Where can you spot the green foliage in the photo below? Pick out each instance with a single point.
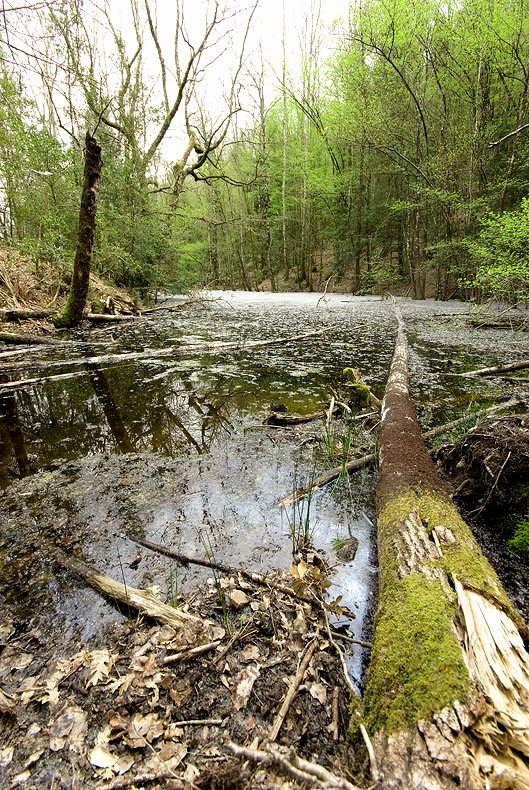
(520, 539)
(501, 253)
(374, 166)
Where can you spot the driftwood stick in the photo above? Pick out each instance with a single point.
(14, 386)
(298, 768)
(524, 363)
(352, 640)
(18, 313)
(229, 570)
(335, 711)
(292, 691)
(194, 651)
(143, 600)
(364, 460)
(327, 477)
(454, 423)
(295, 419)
(26, 339)
(108, 318)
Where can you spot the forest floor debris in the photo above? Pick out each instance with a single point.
(120, 713)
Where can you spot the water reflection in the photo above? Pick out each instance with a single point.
(12, 443)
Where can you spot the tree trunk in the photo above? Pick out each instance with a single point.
(447, 697)
(73, 309)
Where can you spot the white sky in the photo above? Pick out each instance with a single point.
(265, 37)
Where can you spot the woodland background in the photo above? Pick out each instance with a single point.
(391, 151)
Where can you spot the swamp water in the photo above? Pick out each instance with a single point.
(175, 450)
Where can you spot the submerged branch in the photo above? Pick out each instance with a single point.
(170, 351)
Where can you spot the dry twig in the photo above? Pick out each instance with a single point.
(300, 769)
(291, 693)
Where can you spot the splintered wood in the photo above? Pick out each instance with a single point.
(499, 664)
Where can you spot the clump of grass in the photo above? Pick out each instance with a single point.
(223, 600)
(338, 543)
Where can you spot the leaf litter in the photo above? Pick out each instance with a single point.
(123, 714)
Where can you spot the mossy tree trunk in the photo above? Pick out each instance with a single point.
(447, 697)
(75, 304)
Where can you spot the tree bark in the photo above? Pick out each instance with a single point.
(75, 304)
(447, 697)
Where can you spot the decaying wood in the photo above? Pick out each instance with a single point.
(191, 653)
(365, 460)
(447, 696)
(108, 318)
(327, 477)
(352, 640)
(21, 313)
(335, 713)
(292, 691)
(296, 767)
(144, 601)
(26, 339)
(448, 426)
(524, 363)
(229, 570)
(296, 419)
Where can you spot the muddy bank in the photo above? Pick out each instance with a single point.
(487, 469)
(177, 451)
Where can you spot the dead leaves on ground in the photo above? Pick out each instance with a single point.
(118, 713)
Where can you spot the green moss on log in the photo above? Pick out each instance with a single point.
(360, 390)
(417, 667)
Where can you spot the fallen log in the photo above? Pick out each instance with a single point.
(524, 363)
(20, 313)
(168, 351)
(284, 420)
(447, 695)
(327, 477)
(257, 578)
(108, 318)
(26, 338)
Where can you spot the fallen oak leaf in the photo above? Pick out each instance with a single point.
(7, 703)
(100, 666)
(123, 683)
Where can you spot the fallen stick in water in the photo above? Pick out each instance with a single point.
(257, 578)
(169, 351)
(364, 460)
(524, 363)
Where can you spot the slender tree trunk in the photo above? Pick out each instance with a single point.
(73, 310)
(360, 198)
(447, 697)
(213, 238)
(284, 178)
(514, 153)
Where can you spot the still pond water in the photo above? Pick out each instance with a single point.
(175, 450)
